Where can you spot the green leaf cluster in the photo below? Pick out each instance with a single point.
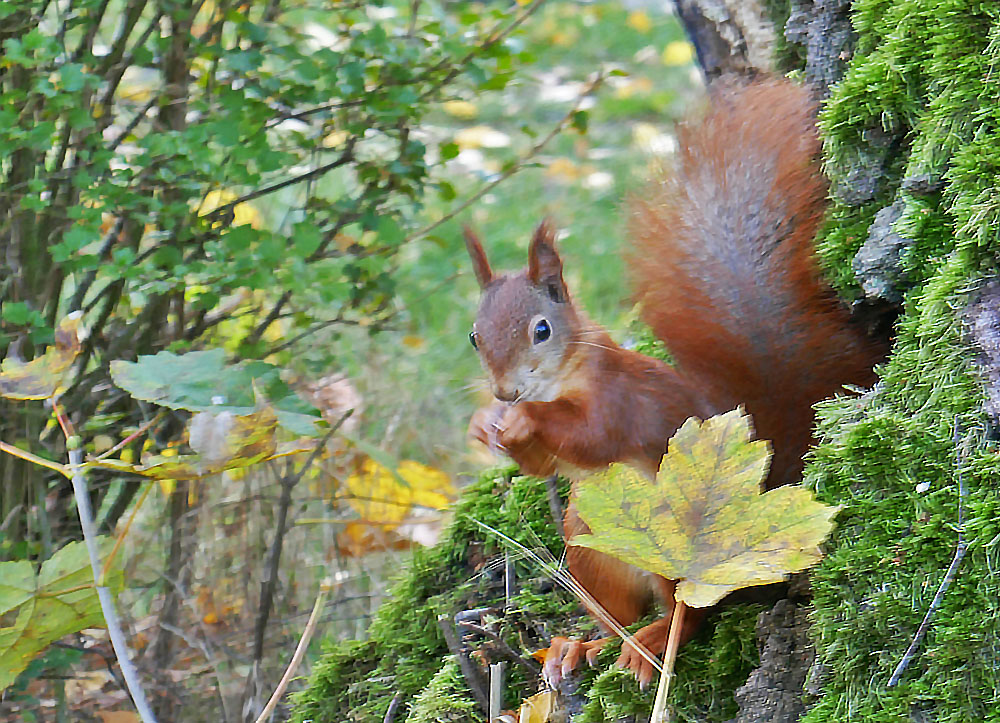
(191, 176)
(42, 607)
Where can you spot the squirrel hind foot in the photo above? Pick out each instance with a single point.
(564, 656)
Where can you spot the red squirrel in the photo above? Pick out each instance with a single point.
(724, 273)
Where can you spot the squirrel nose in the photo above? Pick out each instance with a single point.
(504, 395)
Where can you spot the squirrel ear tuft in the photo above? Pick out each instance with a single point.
(544, 264)
(480, 264)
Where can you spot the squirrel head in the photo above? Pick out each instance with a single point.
(526, 328)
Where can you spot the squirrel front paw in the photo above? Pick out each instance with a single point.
(509, 430)
(485, 426)
(517, 428)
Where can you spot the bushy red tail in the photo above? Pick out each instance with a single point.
(725, 271)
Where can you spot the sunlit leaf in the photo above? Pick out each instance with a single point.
(44, 377)
(244, 214)
(335, 139)
(703, 520)
(460, 109)
(358, 539)
(42, 608)
(224, 441)
(639, 21)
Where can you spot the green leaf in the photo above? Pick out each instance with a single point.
(306, 237)
(703, 521)
(58, 601)
(389, 230)
(201, 381)
(446, 191)
(19, 313)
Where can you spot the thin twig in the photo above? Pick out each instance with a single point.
(563, 577)
(390, 713)
(555, 504)
(141, 430)
(503, 647)
(948, 576)
(300, 651)
(496, 691)
(128, 526)
(34, 459)
(669, 656)
(103, 592)
(472, 679)
(267, 588)
(345, 157)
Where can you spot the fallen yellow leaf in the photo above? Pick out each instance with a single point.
(379, 496)
(460, 109)
(639, 21)
(118, 716)
(539, 708)
(679, 52)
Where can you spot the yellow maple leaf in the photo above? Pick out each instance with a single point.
(703, 520)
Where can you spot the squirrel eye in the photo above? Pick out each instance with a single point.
(542, 331)
(473, 340)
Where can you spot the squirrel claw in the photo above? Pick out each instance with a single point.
(564, 655)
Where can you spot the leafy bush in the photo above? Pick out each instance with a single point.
(178, 170)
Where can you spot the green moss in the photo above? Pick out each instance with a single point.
(357, 680)
(708, 669)
(445, 699)
(925, 71)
